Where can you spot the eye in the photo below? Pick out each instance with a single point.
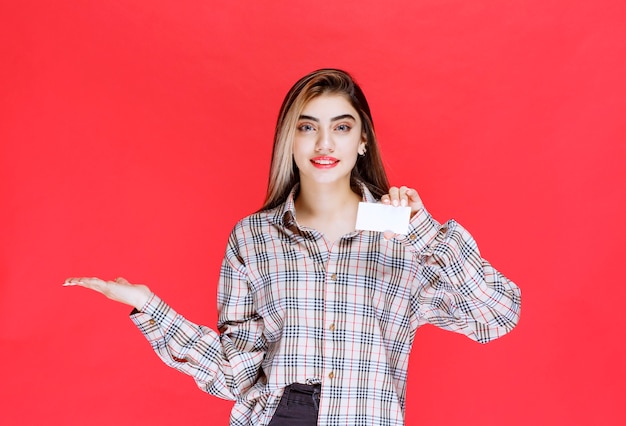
(343, 128)
(306, 127)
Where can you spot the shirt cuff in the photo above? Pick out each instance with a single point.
(423, 229)
(154, 318)
(143, 308)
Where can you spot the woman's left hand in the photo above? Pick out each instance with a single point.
(402, 196)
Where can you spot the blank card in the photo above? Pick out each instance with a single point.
(383, 217)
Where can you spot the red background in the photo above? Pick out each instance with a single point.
(135, 133)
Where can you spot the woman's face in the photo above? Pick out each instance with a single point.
(328, 139)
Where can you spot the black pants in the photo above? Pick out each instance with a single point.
(298, 406)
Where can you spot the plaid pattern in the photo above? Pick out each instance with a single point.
(295, 308)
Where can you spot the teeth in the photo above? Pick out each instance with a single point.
(324, 162)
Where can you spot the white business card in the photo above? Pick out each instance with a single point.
(383, 217)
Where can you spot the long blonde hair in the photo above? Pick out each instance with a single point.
(283, 170)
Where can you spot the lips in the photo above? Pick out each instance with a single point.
(324, 162)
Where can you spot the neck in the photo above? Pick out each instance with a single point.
(325, 201)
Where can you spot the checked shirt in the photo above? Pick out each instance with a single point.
(294, 307)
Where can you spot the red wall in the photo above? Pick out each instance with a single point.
(135, 133)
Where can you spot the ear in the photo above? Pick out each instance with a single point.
(362, 146)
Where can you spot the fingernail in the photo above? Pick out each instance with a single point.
(68, 284)
(395, 203)
(403, 202)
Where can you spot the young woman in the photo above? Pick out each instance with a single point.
(317, 319)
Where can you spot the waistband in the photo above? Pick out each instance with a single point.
(299, 393)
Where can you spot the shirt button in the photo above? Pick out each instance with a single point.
(413, 237)
(152, 322)
(332, 327)
(331, 375)
(333, 277)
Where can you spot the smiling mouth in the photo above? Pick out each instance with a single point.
(324, 162)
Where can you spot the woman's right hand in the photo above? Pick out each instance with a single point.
(120, 290)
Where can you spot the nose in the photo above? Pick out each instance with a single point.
(324, 142)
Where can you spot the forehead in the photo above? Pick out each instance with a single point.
(328, 106)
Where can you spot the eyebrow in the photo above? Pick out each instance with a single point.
(339, 117)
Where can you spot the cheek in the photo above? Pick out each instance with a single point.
(296, 147)
(297, 152)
